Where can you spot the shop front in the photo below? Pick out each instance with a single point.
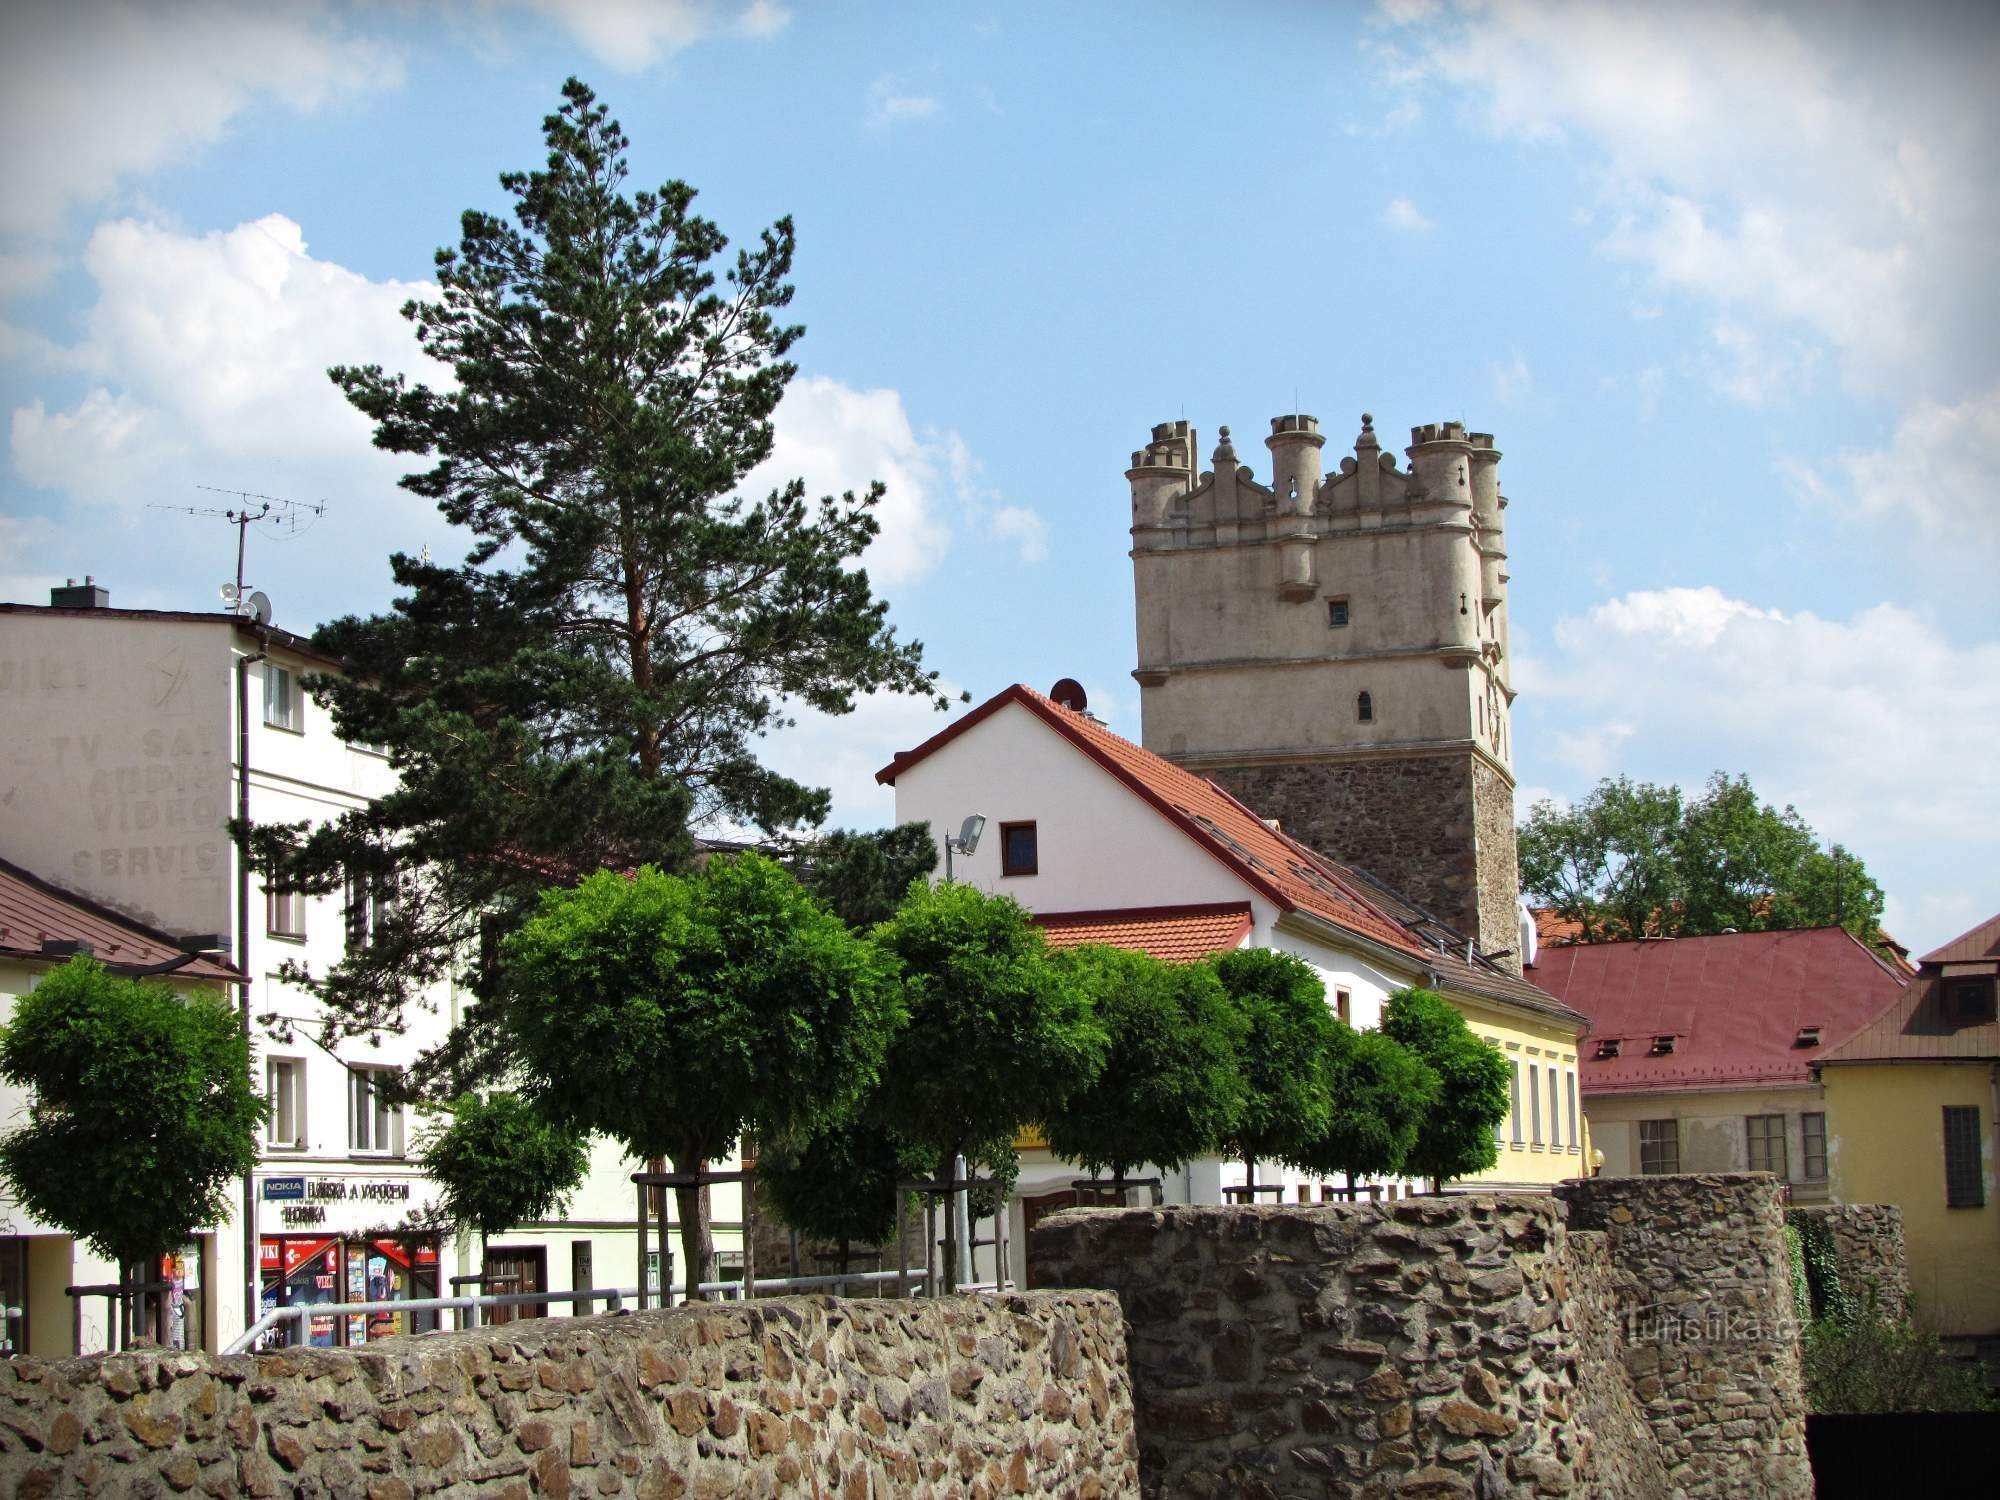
(334, 1240)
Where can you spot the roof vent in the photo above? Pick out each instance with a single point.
(1610, 1046)
(1808, 1037)
(1662, 1045)
(86, 595)
(67, 948)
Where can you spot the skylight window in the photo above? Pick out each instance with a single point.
(1662, 1045)
(1610, 1046)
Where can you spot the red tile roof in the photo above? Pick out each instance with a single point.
(1178, 934)
(1734, 1004)
(32, 910)
(1284, 871)
(1553, 929)
(1982, 941)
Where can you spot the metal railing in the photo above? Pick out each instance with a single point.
(614, 1299)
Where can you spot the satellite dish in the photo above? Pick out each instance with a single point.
(260, 607)
(229, 594)
(1069, 693)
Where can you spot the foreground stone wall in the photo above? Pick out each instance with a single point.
(1702, 1282)
(1415, 1348)
(1635, 1341)
(968, 1397)
(1868, 1251)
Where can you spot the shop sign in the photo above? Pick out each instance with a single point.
(339, 1189)
(283, 1189)
(298, 1215)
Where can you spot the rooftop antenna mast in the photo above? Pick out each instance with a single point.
(283, 518)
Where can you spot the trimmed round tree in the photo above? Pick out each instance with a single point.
(1169, 1089)
(674, 1013)
(500, 1162)
(840, 1184)
(1381, 1092)
(144, 1114)
(1283, 1034)
(1456, 1137)
(998, 1036)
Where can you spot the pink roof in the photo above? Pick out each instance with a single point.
(1285, 872)
(32, 911)
(1178, 934)
(1735, 1005)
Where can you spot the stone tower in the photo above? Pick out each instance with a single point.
(1333, 650)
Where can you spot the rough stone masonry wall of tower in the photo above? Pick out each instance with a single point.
(1469, 1347)
(967, 1397)
(1415, 823)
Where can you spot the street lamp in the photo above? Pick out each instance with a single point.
(965, 843)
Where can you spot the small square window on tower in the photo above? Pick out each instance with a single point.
(1336, 614)
(1019, 854)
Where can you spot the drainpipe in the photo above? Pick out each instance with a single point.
(251, 1289)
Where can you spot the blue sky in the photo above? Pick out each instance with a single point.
(1717, 278)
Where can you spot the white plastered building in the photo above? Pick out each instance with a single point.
(119, 771)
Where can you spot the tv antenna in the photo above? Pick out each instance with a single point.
(277, 517)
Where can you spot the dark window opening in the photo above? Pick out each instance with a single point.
(1967, 1002)
(1018, 852)
(1336, 614)
(1964, 1184)
(1659, 1146)
(1364, 709)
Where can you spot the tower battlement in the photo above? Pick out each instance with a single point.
(1332, 647)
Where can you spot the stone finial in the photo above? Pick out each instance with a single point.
(1367, 438)
(1225, 452)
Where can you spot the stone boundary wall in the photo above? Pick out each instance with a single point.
(1632, 1340)
(1701, 1279)
(851, 1400)
(1868, 1250)
(1421, 1348)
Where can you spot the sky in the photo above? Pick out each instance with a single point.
(1718, 278)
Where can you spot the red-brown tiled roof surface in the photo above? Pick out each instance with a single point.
(1552, 928)
(1734, 1004)
(1914, 1029)
(1284, 871)
(1982, 941)
(1178, 934)
(32, 911)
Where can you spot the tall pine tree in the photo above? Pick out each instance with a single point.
(591, 681)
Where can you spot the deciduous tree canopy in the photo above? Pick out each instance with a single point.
(1637, 860)
(500, 1161)
(144, 1115)
(1283, 1033)
(1168, 1090)
(1455, 1136)
(674, 1013)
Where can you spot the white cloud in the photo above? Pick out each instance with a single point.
(1878, 727)
(94, 91)
(206, 359)
(1027, 531)
(1405, 215)
(843, 752)
(633, 35)
(1512, 382)
(893, 101)
(1938, 471)
(1834, 180)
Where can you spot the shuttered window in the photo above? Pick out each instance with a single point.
(1964, 1184)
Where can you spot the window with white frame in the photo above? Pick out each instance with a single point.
(370, 894)
(374, 1124)
(1765, 1135)
(1555, 1113)
(281, 698)
(1514, 1097)
(284, 913)
(1659, 1146)
(1575, 1136)
(1812, 1131)
(285, 1088)
(1535, 1102)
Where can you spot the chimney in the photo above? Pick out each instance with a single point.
(86, 595)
